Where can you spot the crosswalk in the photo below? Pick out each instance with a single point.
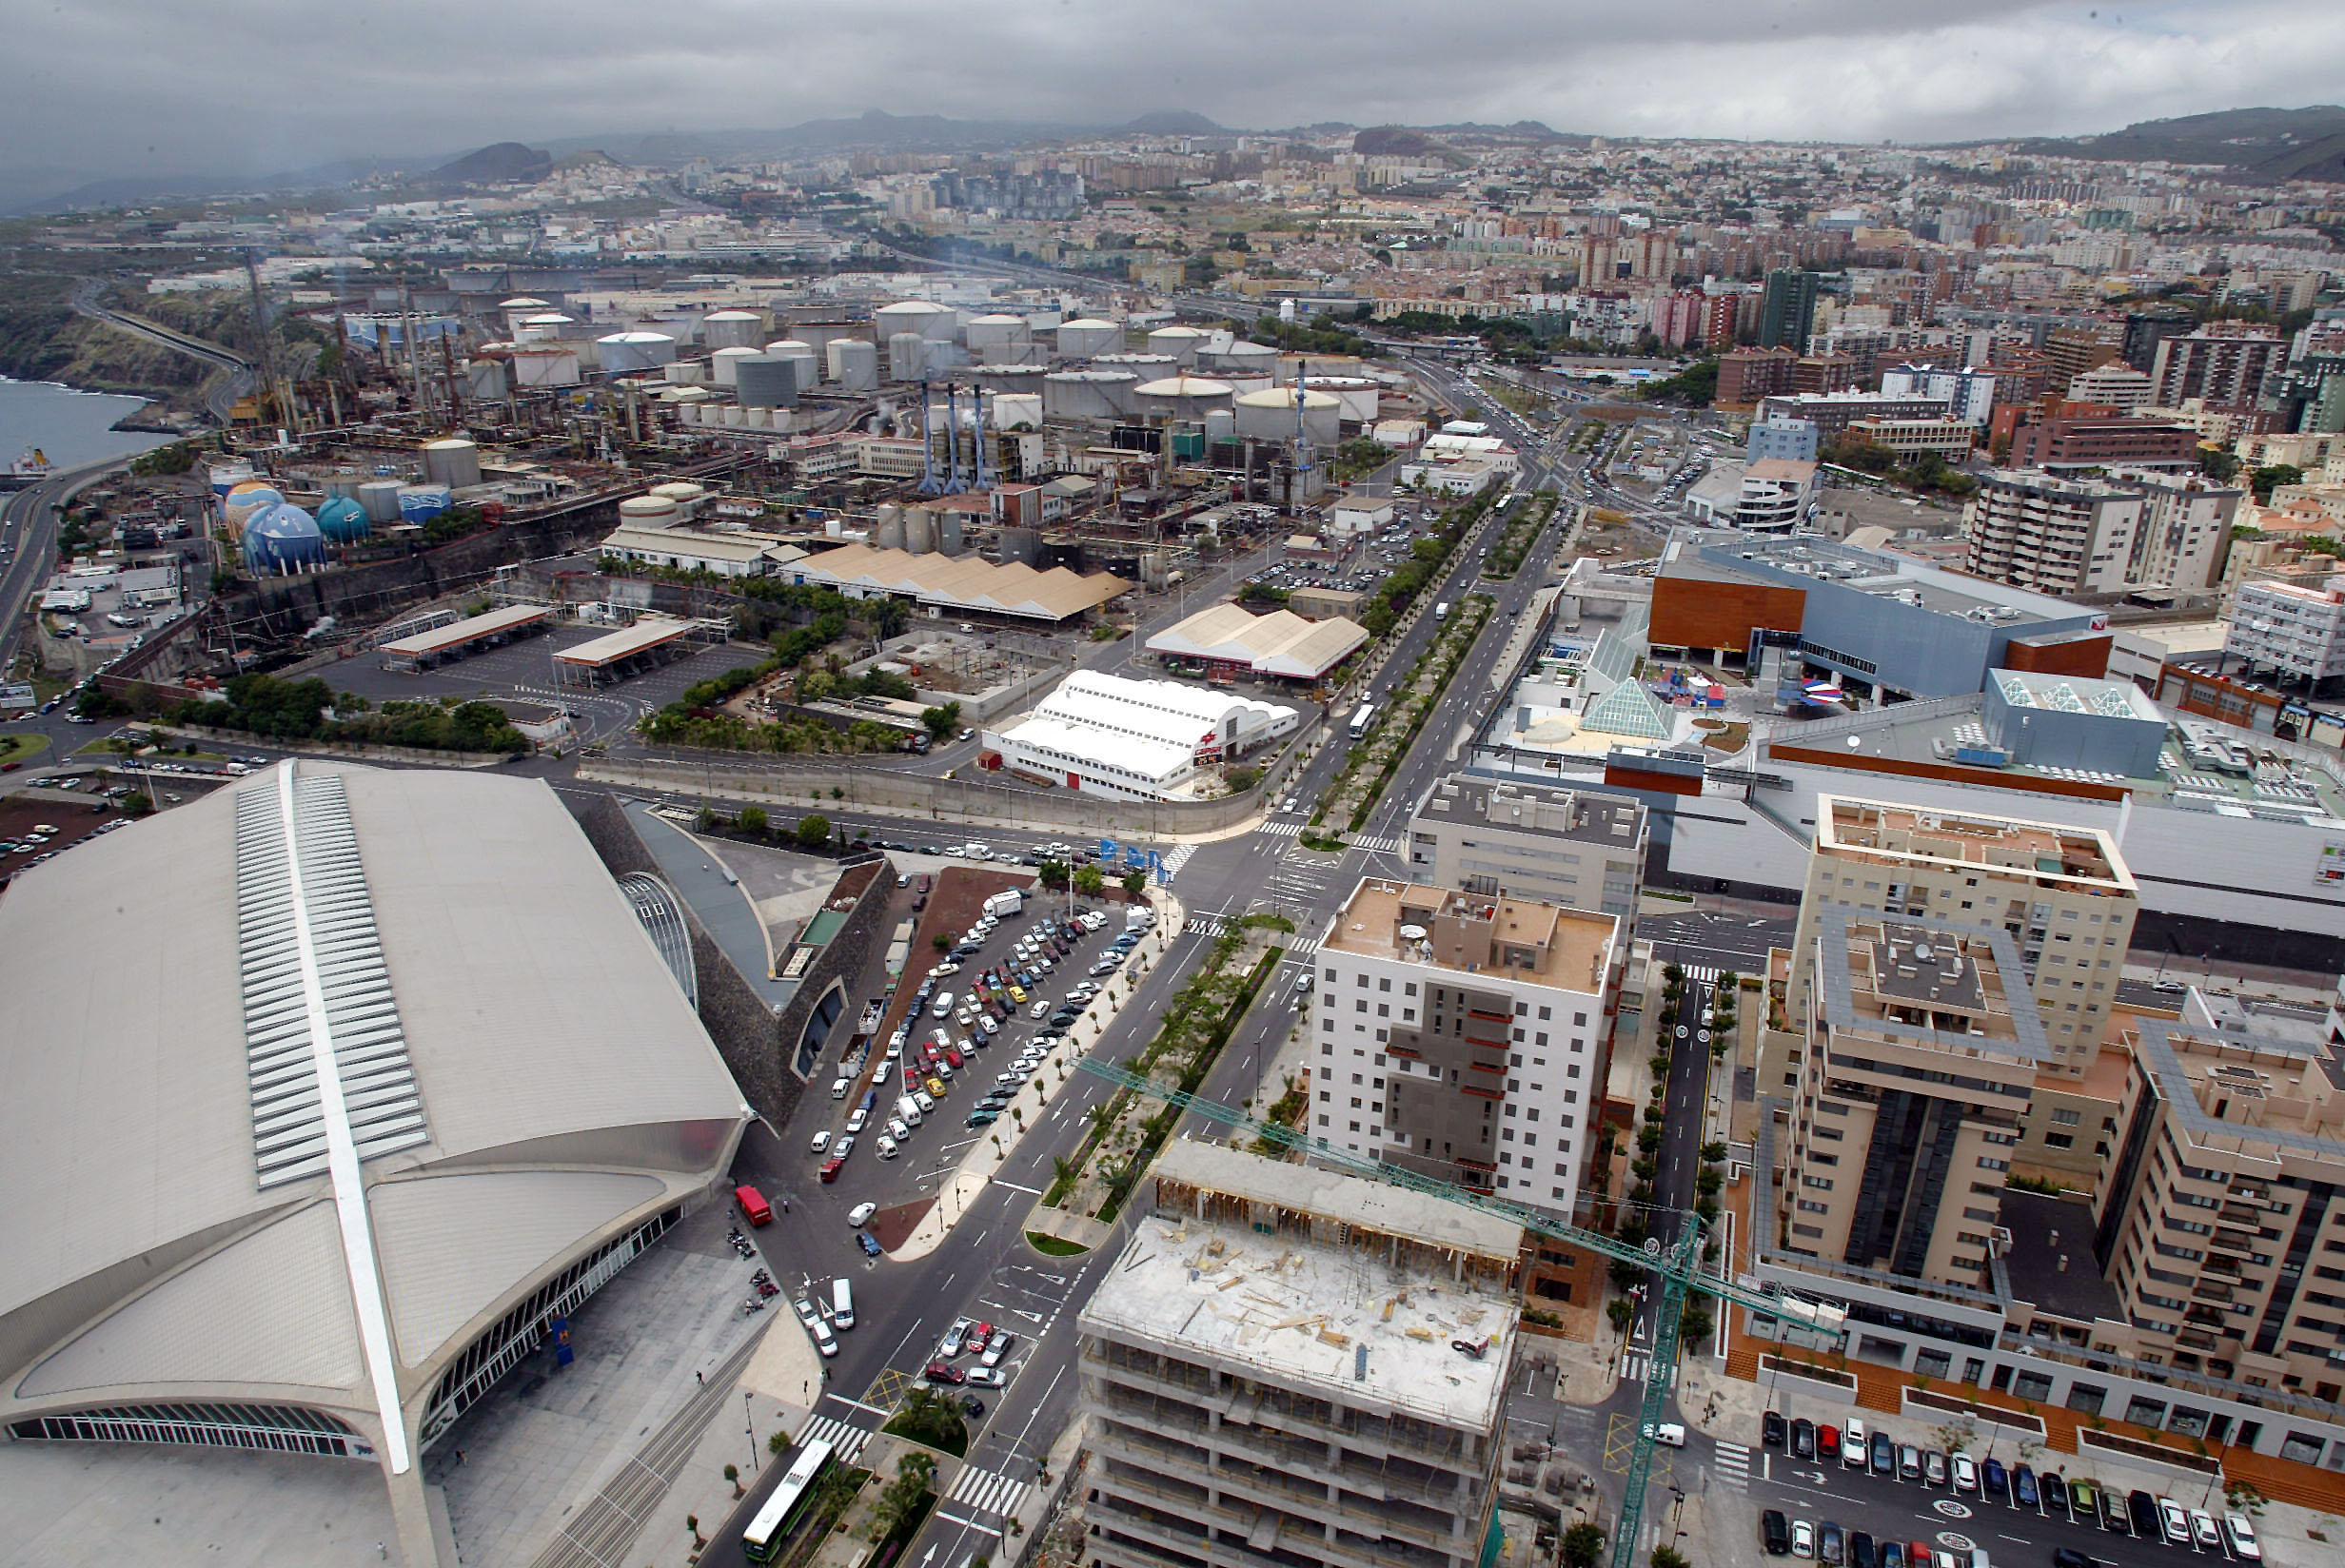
(986, 1491)
(1635, 1365)
(1280, 830)
(1209, 923)
(1377, 844)
(1179, 857)
(1706, 973)
(845, 1441)
(1733, 1462)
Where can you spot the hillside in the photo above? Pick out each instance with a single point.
(2272, 143)
(503, 162)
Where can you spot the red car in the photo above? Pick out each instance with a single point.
(1828, 1442)
(978, 1334)
(940, 1372)
(832, 1166)
(952, 1056)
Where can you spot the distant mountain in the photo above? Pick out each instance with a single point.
(1174, 122)
(500, 164)
(2272, 143)
(1393, 142)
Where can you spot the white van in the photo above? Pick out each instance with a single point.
(908, 1111)
(842, 1304)
(1007, 902)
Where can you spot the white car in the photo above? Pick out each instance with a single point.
(862, 1213)
(1040, 1009)
(823, 1139)
(898, 1129)
(887, 1147)
(942, 1006)
(856, 1119)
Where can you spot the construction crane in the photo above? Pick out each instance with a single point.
(1678, 1264)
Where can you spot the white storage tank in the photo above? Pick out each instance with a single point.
(731, 413)
(758, 418)
(1179, 343)
(985, 333)
(653, 511)
(1012, 378)
(488, 377)
(542, 328)
(724, 366)
(1012, 409)
(818, 336)
(1359, 397)
(1089, 394)
(1087, 335)
(541, 365)
(455, 462)
(1259, 358)
(1148, 367)
(623, 352)
(684, 493)
(380, 498)
(1221, 425)
(853, 363)
(519, 309)
(687, 373)
(920, 530)
(1188, 398)
(907, 357)
(939, 323)
(809, 358)
(888, 534)
(732, 330)
(768, 381)
(1271, 416)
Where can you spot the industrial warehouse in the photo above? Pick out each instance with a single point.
(1136, 739)
(1229, 640)
(375, 1077)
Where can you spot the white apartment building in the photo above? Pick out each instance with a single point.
(1569, 847)
(1969, 393)
(2294, 631)
(2065, 895)
(2118, 387)
(2056, 536)
(1465, 1035)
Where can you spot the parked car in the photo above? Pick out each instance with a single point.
(1994, 1481)
(1831, 1547)
(1934, 1468)
(1965, 1474)
(1802, 1539)
(1803, 1438)
(940, 1372)
(1828, 1442)
(871, 1247)
(1775, 1531)
(2173, 1522)
(1884, 1455)
(2055, 1491)
(862, 1213)
(2239, 1535)
(2024, 1487)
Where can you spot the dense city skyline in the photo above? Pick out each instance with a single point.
(117, 92)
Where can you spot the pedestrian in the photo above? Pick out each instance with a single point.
(460, 1456)
(698, 1381)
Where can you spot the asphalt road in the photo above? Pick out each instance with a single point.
(1716, 939)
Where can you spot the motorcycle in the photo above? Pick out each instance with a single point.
(755, 1303)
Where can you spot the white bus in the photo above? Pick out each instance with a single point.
(787, 1508)
(1362, 718)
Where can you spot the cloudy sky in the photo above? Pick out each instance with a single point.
(91, 89)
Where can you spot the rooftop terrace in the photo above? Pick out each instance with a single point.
(1440, 928)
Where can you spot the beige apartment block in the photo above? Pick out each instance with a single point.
(2062, 894)
(1570, 847)
(1290, 1366)
(1918, 1075)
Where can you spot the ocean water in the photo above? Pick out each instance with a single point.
(69, 426)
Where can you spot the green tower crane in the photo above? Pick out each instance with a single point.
(1678, 1266)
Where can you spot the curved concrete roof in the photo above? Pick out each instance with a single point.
(493, 1049)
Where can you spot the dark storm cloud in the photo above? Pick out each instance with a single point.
(157, 87)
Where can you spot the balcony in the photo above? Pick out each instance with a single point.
(2209, 1290)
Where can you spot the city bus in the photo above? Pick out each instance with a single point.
(1362, 718)
(787, 1508)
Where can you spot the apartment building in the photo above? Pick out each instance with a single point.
(1562, 845)
(2056, 536)
(1922, 1057)
(1463, 1035)
(1271, 1372)
(2294, 631)
(2112, 386)
(2222, 1213)
(2223, 364)
(2064, 894)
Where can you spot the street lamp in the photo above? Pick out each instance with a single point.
(749, 1425)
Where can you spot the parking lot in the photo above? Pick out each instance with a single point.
(526, 667)
(898, 1187)
(1951, 1520)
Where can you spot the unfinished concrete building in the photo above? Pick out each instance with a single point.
(1296, 1367)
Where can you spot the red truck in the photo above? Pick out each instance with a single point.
(753, 1207)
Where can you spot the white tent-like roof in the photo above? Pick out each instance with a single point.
(1280, 644)
(305, 1085)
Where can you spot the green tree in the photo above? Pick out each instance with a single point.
(1135, 881)
(1583, 1545)
(1620, 1314)
(1669, 1557)
(814, 831)
(2217, 464)
(1054, 875)
(2272, 475)
(753, 820)
(941, 721)
(901, 1500)
(816, 684)
(1090, 881)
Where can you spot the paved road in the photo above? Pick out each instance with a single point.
(1716, 939)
